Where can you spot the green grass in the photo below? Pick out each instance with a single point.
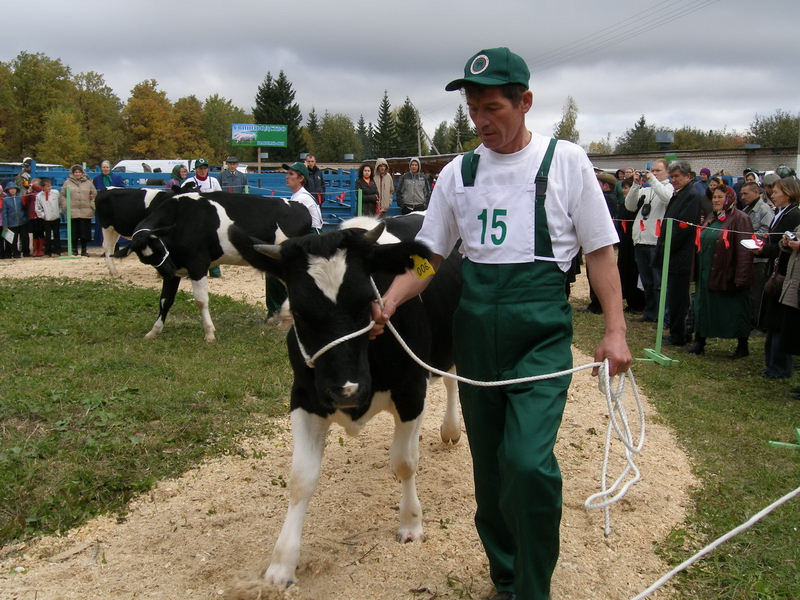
(724, 413)
(91, 413)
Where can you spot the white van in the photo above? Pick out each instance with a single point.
(165, 166)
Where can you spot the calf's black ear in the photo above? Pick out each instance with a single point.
(395, 259)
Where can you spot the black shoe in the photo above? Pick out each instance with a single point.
(741, 353)
(84, 253)
(673, 341)
(695, 348)
(592, 309)
(644, 319)
(504, 596)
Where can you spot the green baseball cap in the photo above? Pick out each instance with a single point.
(495, 66)
(200, 162)
(300, 168)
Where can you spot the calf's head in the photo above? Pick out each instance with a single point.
(330, 294)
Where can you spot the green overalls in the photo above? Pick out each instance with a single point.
(514, 321)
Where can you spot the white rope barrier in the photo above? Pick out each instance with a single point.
(718, 542)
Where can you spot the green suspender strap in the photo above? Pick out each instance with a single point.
(543, 246)
(469, 167)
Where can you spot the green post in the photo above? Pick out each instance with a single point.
(358, 208)
(655, 354)
(247, 189)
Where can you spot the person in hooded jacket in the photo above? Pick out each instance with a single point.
(414, 189)
(82, 193)
(385, 184)
(15, 219)
(179, 175)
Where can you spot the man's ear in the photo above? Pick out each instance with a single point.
(527, 101)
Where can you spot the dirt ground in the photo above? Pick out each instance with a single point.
(209, 534)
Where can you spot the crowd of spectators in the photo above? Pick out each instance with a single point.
(735, 239)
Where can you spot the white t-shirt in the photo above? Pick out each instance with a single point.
(577, 214)
(209, 185)
(306, 199)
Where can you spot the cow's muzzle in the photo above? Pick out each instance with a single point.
(347, 396)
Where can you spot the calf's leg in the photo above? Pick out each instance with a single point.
(404, 455)
(169, 288)
(200, 292)
(308, 435)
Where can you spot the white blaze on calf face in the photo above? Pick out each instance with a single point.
(328, 273)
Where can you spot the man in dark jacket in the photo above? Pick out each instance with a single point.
(686, 214)
(316, 181)
(231, 179)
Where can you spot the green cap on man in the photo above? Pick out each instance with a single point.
(495, 66)
(300, 168)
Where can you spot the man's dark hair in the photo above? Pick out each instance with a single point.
(512, 91)
(628, 181)
(44, 180)
(752, 185)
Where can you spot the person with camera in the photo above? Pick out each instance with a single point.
(648, 198)
(786, 196)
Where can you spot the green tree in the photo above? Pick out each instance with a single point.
(566, 128)
(442, 137)
(384, 142)
(63, 138)
(362, 131)
(601, 147)
(462, 132)
(149, 123)
(312, 124)
(337, 137)
(275, 105)
(100, 119)
(775, 131)
(36, 84)
(6, 101)
(408, 134)
(189, 135)
(218, 116)
(640, 138)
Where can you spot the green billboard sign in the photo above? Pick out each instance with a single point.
(248, 134)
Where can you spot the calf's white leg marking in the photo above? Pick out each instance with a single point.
(200, 292)
(450, 429)
(308, 434)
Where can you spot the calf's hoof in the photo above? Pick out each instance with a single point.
(280, 576)
(404, 536)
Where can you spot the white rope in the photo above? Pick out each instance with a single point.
(311, 359)
(615, 406)
(718, 542)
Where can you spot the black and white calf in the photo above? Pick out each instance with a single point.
(330, 293)
(119, 211)
(188, 233)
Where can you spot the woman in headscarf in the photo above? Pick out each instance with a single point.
(81, 194)
(724, 276)
(179, 175)
(106, 178)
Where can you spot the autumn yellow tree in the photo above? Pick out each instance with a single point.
(149, 123)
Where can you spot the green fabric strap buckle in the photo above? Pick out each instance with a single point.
(469, 167)
(542, 243)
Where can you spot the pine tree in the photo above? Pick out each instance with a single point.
(275, 105)
(384, 142)
(641, 138)
(462, 132)
(366, 141)
(565, 129)
(408, 130)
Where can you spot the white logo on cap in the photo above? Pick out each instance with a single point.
(479, 64)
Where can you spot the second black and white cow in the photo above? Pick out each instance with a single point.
(188, 233)
(119, 211)
(330, 294)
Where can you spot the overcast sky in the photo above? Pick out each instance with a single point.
(704, 63)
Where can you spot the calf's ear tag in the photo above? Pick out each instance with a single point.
(422, 267)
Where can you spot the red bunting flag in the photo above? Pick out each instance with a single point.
(697, 237)
(340, 198)
(641, 226)
(272, 195)
(658, 227)
(725, 239)
(624, 226)
(683, 224)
